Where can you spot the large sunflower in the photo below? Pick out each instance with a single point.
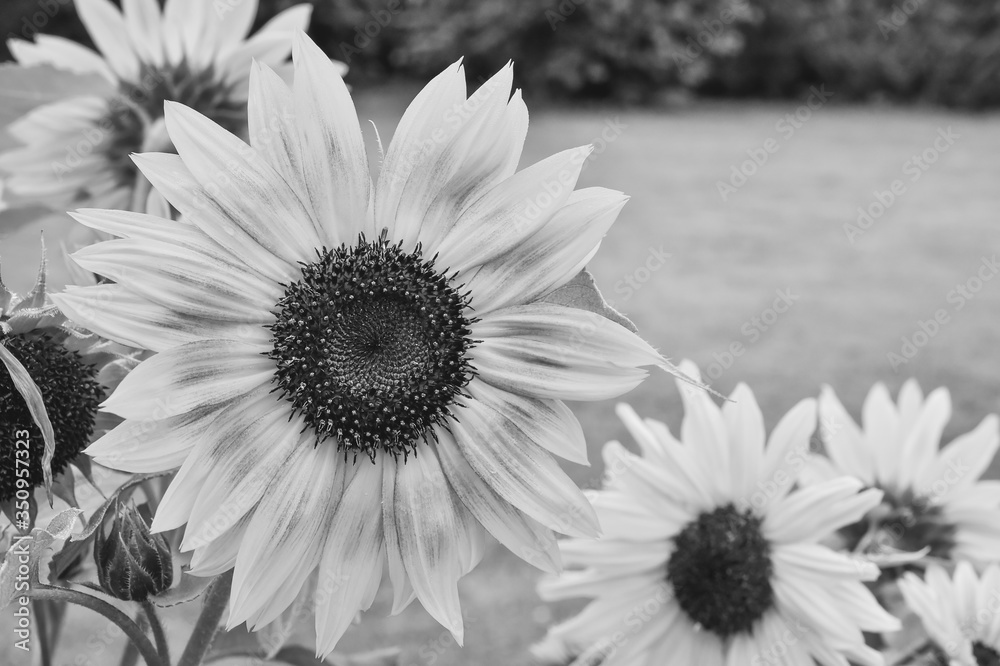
(351, 373)
(709, 557)
(934, 496)
(76, 151)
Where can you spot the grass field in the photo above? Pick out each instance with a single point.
(781, 231)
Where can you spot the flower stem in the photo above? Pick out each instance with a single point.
(207, 625)
(41, 614)
(131, 629)
(911, 656)
(158, 634)
(130, 657)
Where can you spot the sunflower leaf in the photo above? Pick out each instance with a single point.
(23, 89)
(582, 292)
(187, 589)
(28, 550)
(26, 386)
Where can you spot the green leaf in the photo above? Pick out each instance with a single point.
(187, 589)
(26, 386)
(582, 292)
(23, 89)
(29, 550)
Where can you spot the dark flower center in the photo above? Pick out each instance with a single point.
(371, 347)
(906, 522)
(982, 653)
(71, 396)
(139, 102)
(985, 655)
(721, 571)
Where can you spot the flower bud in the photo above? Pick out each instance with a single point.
(132, 563)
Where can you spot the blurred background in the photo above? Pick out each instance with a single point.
(814, 199)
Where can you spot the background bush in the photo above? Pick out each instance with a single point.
(937, 51)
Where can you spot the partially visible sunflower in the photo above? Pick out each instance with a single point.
(708, 559)
(76, 151)
(961, 614)
(355, 374)
(53, 376)
(933, 496)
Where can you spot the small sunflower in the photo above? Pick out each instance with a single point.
(348, 373)
(76, 151)
(708, 559)
(933, 497)
(53, 376)
(961, 614)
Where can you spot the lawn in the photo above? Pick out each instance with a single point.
(700, 276)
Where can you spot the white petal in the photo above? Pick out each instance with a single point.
(844, 441)
(190, 376)
(332, 148)
(550, 257)
(504, 454)
(270, 45)
(152, 445)
(920, 448)
(963, 461)
(120, 315)
(403, 593)
(512, 211)
(62, 54)
(427, 525)
(814, 512)
(468, 155)
(107, 27)
(881, 422)
(704, 431)
(242, 456)
(788, 448)
(177, 184)
(745, 428)
(523, 536)
(145, 29)
(353, 556)
(242, 182)
(551, 351)
(420, 133)
(184, 281)
(286, 533)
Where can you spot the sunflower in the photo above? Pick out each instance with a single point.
(350, 373)
(76, 151)
(52, 378)
(933, 497)
(960, 614)
(708, 559)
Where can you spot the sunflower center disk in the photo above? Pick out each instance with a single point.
(142, 100)
(371, 347)
(721, 571)
(985, 655)
(906, 522)
(71, 396)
